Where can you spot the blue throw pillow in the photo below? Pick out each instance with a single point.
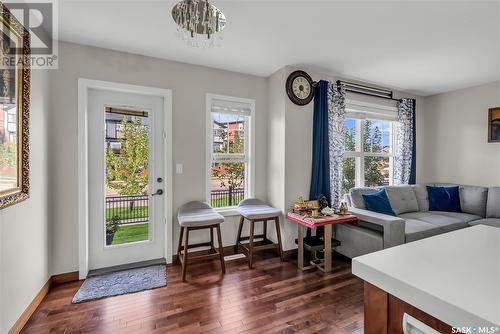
(378, 202)
(444, 199)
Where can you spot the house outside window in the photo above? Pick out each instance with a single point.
(369, 143)
(230, 162)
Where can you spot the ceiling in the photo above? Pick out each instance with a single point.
(423, 47)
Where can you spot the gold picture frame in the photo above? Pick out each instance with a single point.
(15, 57)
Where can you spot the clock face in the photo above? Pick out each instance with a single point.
(299, 87)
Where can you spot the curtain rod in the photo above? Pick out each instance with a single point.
(367, 90)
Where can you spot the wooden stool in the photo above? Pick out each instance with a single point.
(255, 210)
(196, 216)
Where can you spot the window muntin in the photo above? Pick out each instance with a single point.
(368, 158)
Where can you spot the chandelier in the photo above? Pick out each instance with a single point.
(199, 23)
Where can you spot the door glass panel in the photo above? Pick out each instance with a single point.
(127, 201)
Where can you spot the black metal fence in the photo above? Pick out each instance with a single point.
(226, 197)
(135, 209)
(128, 209)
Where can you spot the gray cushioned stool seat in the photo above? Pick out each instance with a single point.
(253, 208)
(196, 213)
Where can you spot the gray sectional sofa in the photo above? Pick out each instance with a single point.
(413, 220)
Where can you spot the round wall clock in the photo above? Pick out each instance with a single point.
(299, 87)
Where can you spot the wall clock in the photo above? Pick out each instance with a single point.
(299, 87)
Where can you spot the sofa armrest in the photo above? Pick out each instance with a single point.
(393, 227)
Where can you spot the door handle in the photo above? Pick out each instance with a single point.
(158, 192)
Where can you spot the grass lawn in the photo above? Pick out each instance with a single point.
(125, 213)
(131, 233)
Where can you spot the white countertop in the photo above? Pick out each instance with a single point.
(455, 277)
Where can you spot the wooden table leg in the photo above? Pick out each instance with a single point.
(328, 248)
(300, 242)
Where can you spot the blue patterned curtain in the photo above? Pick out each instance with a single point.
(405, 143)
(320, 178)
(336, 129)
(413, 168)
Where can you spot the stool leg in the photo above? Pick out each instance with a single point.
(221, 250)
(185, 254)
(179, 248)
(278, 234)
(250, 245)
(264, 229)
(238, 235)
(212, 247)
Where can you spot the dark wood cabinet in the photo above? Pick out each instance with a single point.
(384, 313)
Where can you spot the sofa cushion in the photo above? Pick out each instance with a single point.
(378, 202)
(465, 217)
(402, 199)
(356, 195)
(422, 197)
(493, 204)
(444, 199)
(495, 222)
(473, 200)
(417, 229)
(441, 221)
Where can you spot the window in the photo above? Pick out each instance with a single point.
(229, 150)
(369, 152)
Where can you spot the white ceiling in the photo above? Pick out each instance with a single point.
(424, 47)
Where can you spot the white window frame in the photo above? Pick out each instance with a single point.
(249, 155)
(360, 111)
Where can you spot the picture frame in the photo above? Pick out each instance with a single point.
(494, 125)
(15, 58)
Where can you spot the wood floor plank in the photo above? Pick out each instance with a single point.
(274, 297)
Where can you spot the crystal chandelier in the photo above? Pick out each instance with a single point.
(199, 23)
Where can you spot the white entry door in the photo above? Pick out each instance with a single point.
(126, 164)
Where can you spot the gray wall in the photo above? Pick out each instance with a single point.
(455, 148)
(24, 227)
(189, 84)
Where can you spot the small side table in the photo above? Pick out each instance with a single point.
(327, 222)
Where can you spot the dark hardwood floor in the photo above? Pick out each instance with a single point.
(273, 297)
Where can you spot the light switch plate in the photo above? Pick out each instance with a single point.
(179, 168)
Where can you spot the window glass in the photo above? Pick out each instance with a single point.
(350, 135)
(228, 133)
(227, 184)
(376, 136)
(376, 171)
(349, 178)
(368, 153)
(230, 165)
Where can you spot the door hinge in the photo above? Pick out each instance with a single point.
(165, 220)
(164, 134)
